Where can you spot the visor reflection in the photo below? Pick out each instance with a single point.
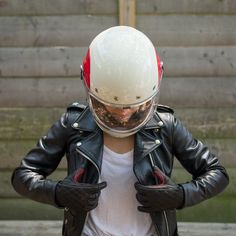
(121, 118)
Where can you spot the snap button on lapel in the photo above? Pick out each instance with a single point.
(160, 123)
(78, 144)
(157, 141)
(75, 125)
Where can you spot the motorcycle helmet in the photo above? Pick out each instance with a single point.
(122, 73)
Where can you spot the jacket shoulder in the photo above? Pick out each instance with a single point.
(76, 107)
(73, 111)
(164, 109)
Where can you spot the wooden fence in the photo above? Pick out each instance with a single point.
(53, 228)
(42, 44)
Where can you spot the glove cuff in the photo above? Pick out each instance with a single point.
(183, 197)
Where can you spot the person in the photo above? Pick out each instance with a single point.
(120, 148)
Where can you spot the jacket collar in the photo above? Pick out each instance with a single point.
(85, 121)
(154, 123)
(145, 139)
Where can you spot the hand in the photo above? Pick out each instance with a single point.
(165, 196)
(78, 196)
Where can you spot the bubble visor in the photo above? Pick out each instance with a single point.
(121, 120)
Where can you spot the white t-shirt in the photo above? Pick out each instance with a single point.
(116, 213)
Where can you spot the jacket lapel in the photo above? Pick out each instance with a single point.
(91, 146)
(145, 140)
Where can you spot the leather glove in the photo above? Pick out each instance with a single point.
(166, 195)
(78, 196)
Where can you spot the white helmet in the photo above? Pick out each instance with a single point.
(122, 73)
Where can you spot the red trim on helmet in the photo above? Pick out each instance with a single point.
(159, 67)
(86, 67)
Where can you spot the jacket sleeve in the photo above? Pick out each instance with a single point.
(29, 179)
(209, 177)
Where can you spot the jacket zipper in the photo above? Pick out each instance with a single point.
(89, 159)
(99, 173)
(155, 226)
(164, 213)
(167, 225)
(157, 230)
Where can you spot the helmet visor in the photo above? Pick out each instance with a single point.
(121, 118)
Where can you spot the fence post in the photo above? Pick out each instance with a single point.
(127, 12)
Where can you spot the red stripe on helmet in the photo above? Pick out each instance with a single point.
(86, 67)
(159, 67)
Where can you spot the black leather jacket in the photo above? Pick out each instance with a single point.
(77, 135)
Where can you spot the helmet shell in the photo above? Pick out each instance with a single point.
(122, 67)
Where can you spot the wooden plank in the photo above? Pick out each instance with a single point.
(189, 30)
(26, 209)
(65, 61)
(225, 149)
(56, 61)
(198, 61)
(163, 30)
(20, 123)
(179, 176)
(57, 7)
(53, 228)
(127, 14)
(12, 151)
(212, 92)
(206, 229)
(208, 92)
(216, 209)
(185, 6)
(72, 30)
(32, 228)
(15, 122)
(43, 92)
(209, 123)
(65, 7)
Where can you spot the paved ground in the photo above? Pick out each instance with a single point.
(53, 228)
